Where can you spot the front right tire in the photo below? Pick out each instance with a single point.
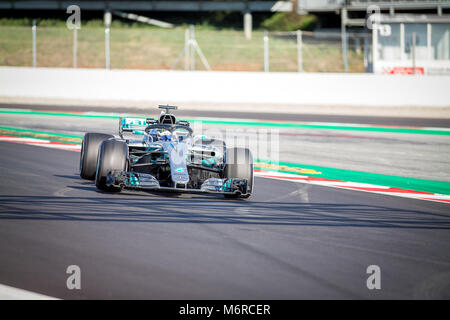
(112, 155)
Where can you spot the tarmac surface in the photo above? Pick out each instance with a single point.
(288, 241)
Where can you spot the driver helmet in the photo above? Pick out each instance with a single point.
(154, 135)
(166, 135)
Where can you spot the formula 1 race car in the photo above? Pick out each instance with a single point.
(163, 154)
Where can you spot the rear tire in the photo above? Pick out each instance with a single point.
(112, 155)
(239, 164)
(89, 153)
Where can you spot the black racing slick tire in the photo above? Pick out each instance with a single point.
(112, 155)
(89, 153)
(239, 164)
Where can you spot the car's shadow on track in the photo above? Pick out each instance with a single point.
(74, 176)
(204, 209)
(86, 185)
(128, 192)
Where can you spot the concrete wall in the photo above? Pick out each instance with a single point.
(311, 89)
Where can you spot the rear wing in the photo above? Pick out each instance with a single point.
(134, 125)
(137, 125)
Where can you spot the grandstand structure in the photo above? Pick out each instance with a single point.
(354, 14)
(153, 5)
(318, 6)
(244, 6)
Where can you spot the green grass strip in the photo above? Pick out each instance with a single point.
(41, 132)
(43, 135)
(326, 127)
(415, 184)
(248, 123)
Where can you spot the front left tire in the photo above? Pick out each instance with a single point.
(239, 164)
(89, 153)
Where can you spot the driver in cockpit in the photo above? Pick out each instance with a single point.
(165, 135)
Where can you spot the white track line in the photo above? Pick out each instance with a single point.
(397, 192)
(42, 143)
(11, 293)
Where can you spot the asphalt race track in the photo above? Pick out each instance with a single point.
(289, 241)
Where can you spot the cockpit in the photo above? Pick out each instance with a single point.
(166, 132)
(165, 128)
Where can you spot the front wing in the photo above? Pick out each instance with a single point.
(135, 180)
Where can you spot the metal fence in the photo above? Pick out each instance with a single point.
(319, 52)
(182, 49)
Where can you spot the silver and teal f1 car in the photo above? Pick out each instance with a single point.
(164, 154)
